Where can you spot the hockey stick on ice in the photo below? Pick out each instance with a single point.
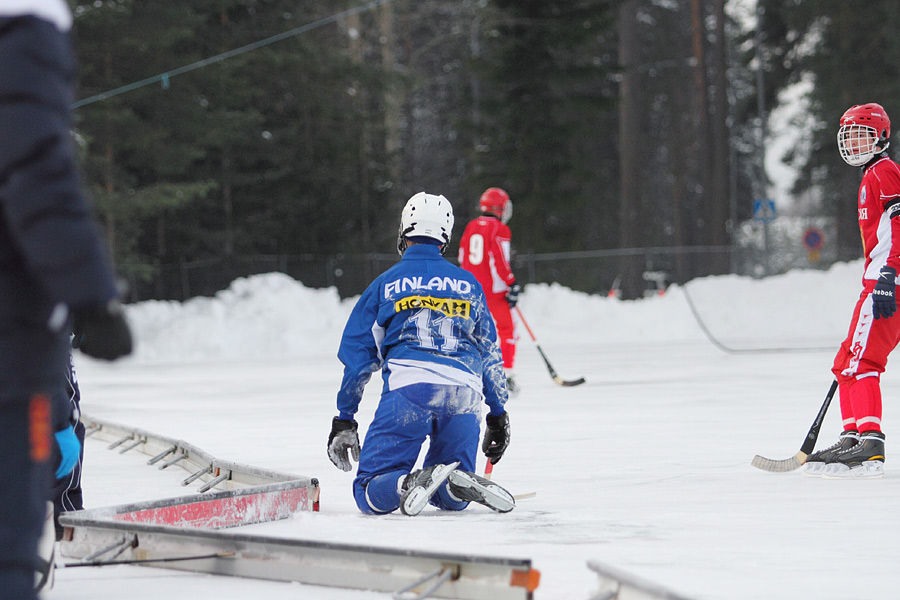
(489, 468)
(796, 461)
(556, 378)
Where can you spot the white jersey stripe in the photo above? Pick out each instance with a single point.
(404, 372)
(860, 337)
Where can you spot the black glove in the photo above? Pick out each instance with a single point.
(102, 331)
(343, 438)
(884, 303)
(512, 296)
(496, 437)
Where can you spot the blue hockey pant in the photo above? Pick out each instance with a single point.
(449, 416)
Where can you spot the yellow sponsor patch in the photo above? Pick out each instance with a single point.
(452, 307)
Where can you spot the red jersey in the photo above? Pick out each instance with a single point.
(879, 200)
(484, 251)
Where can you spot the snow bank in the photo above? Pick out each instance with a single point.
(259, 316)
(274, 315)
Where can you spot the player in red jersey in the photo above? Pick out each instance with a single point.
(484, 251)
(863, 139)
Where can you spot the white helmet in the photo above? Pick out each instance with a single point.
(428, 216)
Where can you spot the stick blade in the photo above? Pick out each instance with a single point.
(569, 383)
(779, 466)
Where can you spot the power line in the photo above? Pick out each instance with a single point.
(166, 76)
(726, 349)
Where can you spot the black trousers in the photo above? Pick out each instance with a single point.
(26, 470)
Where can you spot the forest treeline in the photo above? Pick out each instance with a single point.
(612, 124)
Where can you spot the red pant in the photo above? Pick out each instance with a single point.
(506, 329)
(861, 360)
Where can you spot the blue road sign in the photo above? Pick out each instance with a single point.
(764, 211)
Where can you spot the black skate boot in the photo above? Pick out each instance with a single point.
(420, 486)
(864, 460)
(469, 487)
(816, 461)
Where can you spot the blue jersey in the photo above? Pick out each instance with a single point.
(423, 320)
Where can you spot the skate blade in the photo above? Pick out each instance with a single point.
(870, 469)
(494, 497)
(814, 469)
(418, 498)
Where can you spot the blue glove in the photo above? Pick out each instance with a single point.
(69, 450)
(884, 303)
(512, 296)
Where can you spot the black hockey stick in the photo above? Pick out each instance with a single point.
(809, 444)
(556, 378)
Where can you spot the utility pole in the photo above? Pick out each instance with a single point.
(761, 109)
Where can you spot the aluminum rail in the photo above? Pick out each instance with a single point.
(618, 585)
(399, 571)
(183, 533)
(166, 452)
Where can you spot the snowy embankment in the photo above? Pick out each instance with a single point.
(274, 315)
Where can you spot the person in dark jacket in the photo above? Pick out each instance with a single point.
(54, 275)
(66, 493)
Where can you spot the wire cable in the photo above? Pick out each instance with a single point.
(166, 76)
(728, 350)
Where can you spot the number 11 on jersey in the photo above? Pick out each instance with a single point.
(434, 334)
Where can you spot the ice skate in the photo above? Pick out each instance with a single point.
(865, 460)
(470, 487)
(512, 386)
(420, 486)
(816, 461)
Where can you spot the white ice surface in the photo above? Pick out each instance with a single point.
(646, 467)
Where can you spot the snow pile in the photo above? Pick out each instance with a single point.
(274, 315)
(259, 316)
(803, 306)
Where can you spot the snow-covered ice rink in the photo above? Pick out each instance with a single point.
(645, 468)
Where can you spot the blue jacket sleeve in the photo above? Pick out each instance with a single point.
(360, 350)
(493, 375)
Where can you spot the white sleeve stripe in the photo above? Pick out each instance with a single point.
(378, 334)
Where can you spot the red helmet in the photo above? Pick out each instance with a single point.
(496, 202)
(864, 132)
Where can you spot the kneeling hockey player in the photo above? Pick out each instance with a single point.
(425, 323)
